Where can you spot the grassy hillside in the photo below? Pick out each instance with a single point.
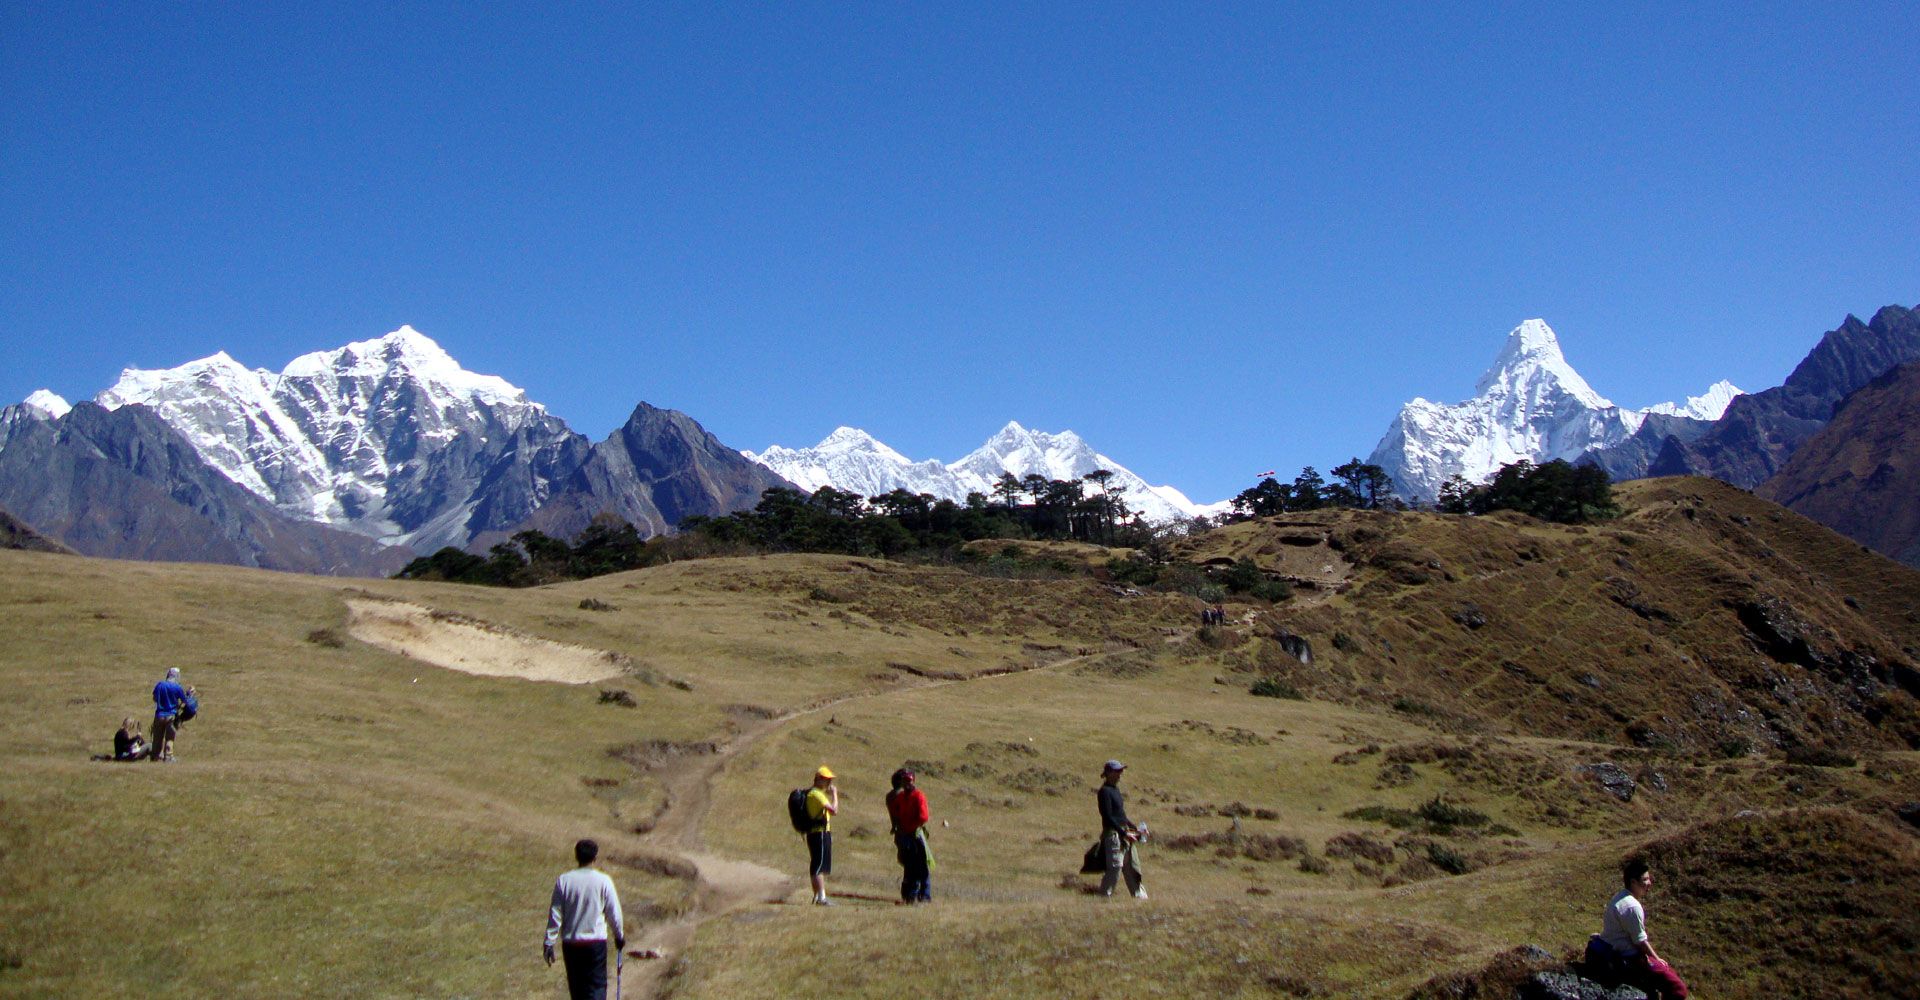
(1704, 620)
(350, 819)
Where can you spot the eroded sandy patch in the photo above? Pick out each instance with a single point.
(457, 642)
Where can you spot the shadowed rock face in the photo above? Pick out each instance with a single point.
(658, 469)
(123, 484)
(17, 534)
(1860, 474)
(1760, 432)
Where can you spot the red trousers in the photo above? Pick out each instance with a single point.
(1658, 979)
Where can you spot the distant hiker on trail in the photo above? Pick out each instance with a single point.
(168, 699)
(127, 743)
(585, 906)
(823, 801)
(907, 808)
(1119, 837)
(1622, 943)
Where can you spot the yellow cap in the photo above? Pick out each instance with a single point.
(823, 773)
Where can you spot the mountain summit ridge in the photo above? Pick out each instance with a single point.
(853, 460)
(388, 438)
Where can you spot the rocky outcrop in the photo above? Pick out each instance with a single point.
(1572, 986)
(18, 534)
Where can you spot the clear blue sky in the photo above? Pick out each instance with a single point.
(1214, 240)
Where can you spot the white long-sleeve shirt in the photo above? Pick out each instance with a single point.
(584, 902)
(1623, 924)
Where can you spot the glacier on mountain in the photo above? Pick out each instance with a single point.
(1530, 405)
(852, 460)
(388, 438)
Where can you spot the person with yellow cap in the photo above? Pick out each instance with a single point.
(823, 801)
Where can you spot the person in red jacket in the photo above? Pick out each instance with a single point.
(907, 807)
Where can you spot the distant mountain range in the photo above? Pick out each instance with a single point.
(346, 461)
(1759, 433)
(1529, 404)
(355, 459)
(853, 460)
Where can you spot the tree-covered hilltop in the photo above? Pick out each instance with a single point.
(896, 524)
(1556, 491)
(1356, 484)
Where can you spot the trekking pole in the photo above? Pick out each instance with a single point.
(619, 970)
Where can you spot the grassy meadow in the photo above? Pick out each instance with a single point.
(347, 820)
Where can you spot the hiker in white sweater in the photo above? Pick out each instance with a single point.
(585, 908)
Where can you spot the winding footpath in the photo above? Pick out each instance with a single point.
(721, 884)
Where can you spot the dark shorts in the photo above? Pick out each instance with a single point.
(820, 853)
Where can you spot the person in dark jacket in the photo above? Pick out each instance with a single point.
(1119, 836)
(128, 743)
(907, 809)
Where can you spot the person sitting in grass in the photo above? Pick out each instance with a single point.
(1623, 944)
(128, 744)
(823, 801)
(1119, 837)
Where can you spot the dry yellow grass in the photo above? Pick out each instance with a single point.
(349, 821)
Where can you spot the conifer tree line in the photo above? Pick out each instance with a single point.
(1090, 508)
(1357, 484)
(1553, 491)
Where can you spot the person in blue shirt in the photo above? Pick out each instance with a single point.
(168, 698)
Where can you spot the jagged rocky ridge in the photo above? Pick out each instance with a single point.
(1529, 404)
(1760, 432)
(853, 460)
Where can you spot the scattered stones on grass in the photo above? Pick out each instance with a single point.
(1570, 986)
(1612, 777)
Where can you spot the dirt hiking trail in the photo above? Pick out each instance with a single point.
(726, 884)
(721, 885)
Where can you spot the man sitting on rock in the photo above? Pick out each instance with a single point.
(1622, 943)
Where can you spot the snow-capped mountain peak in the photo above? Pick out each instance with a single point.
(47, 404)
(850, 440)
(352, 437)
(1529, 405)
(1531, 361)
(853, 460)
(411, 351)
(1709, 405)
